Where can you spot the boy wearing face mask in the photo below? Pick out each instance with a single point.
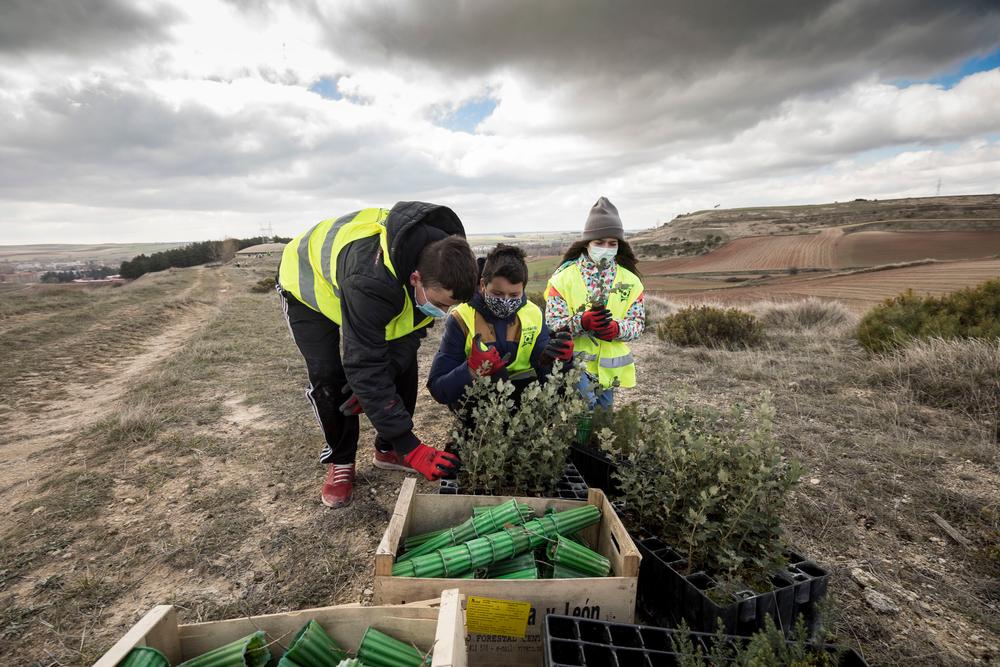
(596, 295)
(359, 292)
(499, 333)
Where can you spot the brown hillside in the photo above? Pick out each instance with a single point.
(951, 213)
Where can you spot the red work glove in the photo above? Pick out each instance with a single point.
(610, 332)
(352, 406)
(483, 359)
(559, 347)
(433, 463)
(595, 319)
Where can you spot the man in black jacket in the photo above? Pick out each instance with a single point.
(373, 281)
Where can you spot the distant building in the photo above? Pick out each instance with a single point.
(260, 251)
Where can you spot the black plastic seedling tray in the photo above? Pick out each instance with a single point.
(596, 468)
(667, 596)
(570, 487)
(569, 641)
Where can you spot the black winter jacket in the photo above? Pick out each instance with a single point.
(370, 298)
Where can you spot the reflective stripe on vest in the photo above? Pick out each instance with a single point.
(530, 318)
(607, 360)
(309, 266)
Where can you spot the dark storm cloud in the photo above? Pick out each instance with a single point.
(654, 70)
(680, 38)
(77, 28)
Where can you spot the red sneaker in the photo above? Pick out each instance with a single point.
(338, 488)
(389, 461)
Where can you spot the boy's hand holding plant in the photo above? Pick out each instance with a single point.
(485, 360)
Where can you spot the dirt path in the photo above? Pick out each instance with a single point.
(28, 437)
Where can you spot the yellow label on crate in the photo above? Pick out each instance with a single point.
(487, 616)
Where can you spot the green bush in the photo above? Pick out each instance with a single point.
(973, 312)
(517, 450)
(720, 482)
(711, 327)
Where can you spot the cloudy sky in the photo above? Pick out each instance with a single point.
(142, 120)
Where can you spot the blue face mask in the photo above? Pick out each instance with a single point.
(429, 309)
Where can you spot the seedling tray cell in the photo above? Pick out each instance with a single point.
(668, 596)
(571, 487)
(569, 641)
(596, 468)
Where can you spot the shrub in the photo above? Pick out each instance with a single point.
(767, 647)
(806, 314)
(968, 313)
(518, 450)
(711, 327)
(957, 374)
(719, 486)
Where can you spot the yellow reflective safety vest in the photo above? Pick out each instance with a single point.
(309, 266)
(525, 328)
(605, 359)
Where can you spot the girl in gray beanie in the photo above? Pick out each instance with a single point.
(597, 296)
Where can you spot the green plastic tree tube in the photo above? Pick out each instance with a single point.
(483, 551)
(516, 564)
(490, 521)
(527, 573)
(144, 656)
(414, 541)
(251, 651)
(380, 650)
(312, 647)
(577, 557)
(563, 572)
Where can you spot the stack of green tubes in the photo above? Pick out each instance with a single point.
(312, 647)
(251, 651)
(380, 650)
(577, 557)
(144, 656)
(511, 541)
(484, 523)
(520, 567)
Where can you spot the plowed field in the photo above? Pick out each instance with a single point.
(860, 290)
(832, 248)
(874, 248)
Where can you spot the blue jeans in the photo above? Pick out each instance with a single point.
(590, 389)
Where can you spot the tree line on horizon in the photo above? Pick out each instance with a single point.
(193, 254)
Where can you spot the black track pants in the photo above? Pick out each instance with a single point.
(318, 339)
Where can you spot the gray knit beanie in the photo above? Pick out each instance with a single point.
(603, 222)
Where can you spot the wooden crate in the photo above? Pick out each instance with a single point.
(608, 598)
(425, 624)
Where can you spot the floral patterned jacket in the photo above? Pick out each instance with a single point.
(559, 318)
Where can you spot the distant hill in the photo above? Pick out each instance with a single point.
(110, 254)
(958, 213)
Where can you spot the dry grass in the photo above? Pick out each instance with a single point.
(962, 374)
(812, 314)
(199, 488)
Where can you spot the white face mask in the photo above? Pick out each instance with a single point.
(599, 254)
